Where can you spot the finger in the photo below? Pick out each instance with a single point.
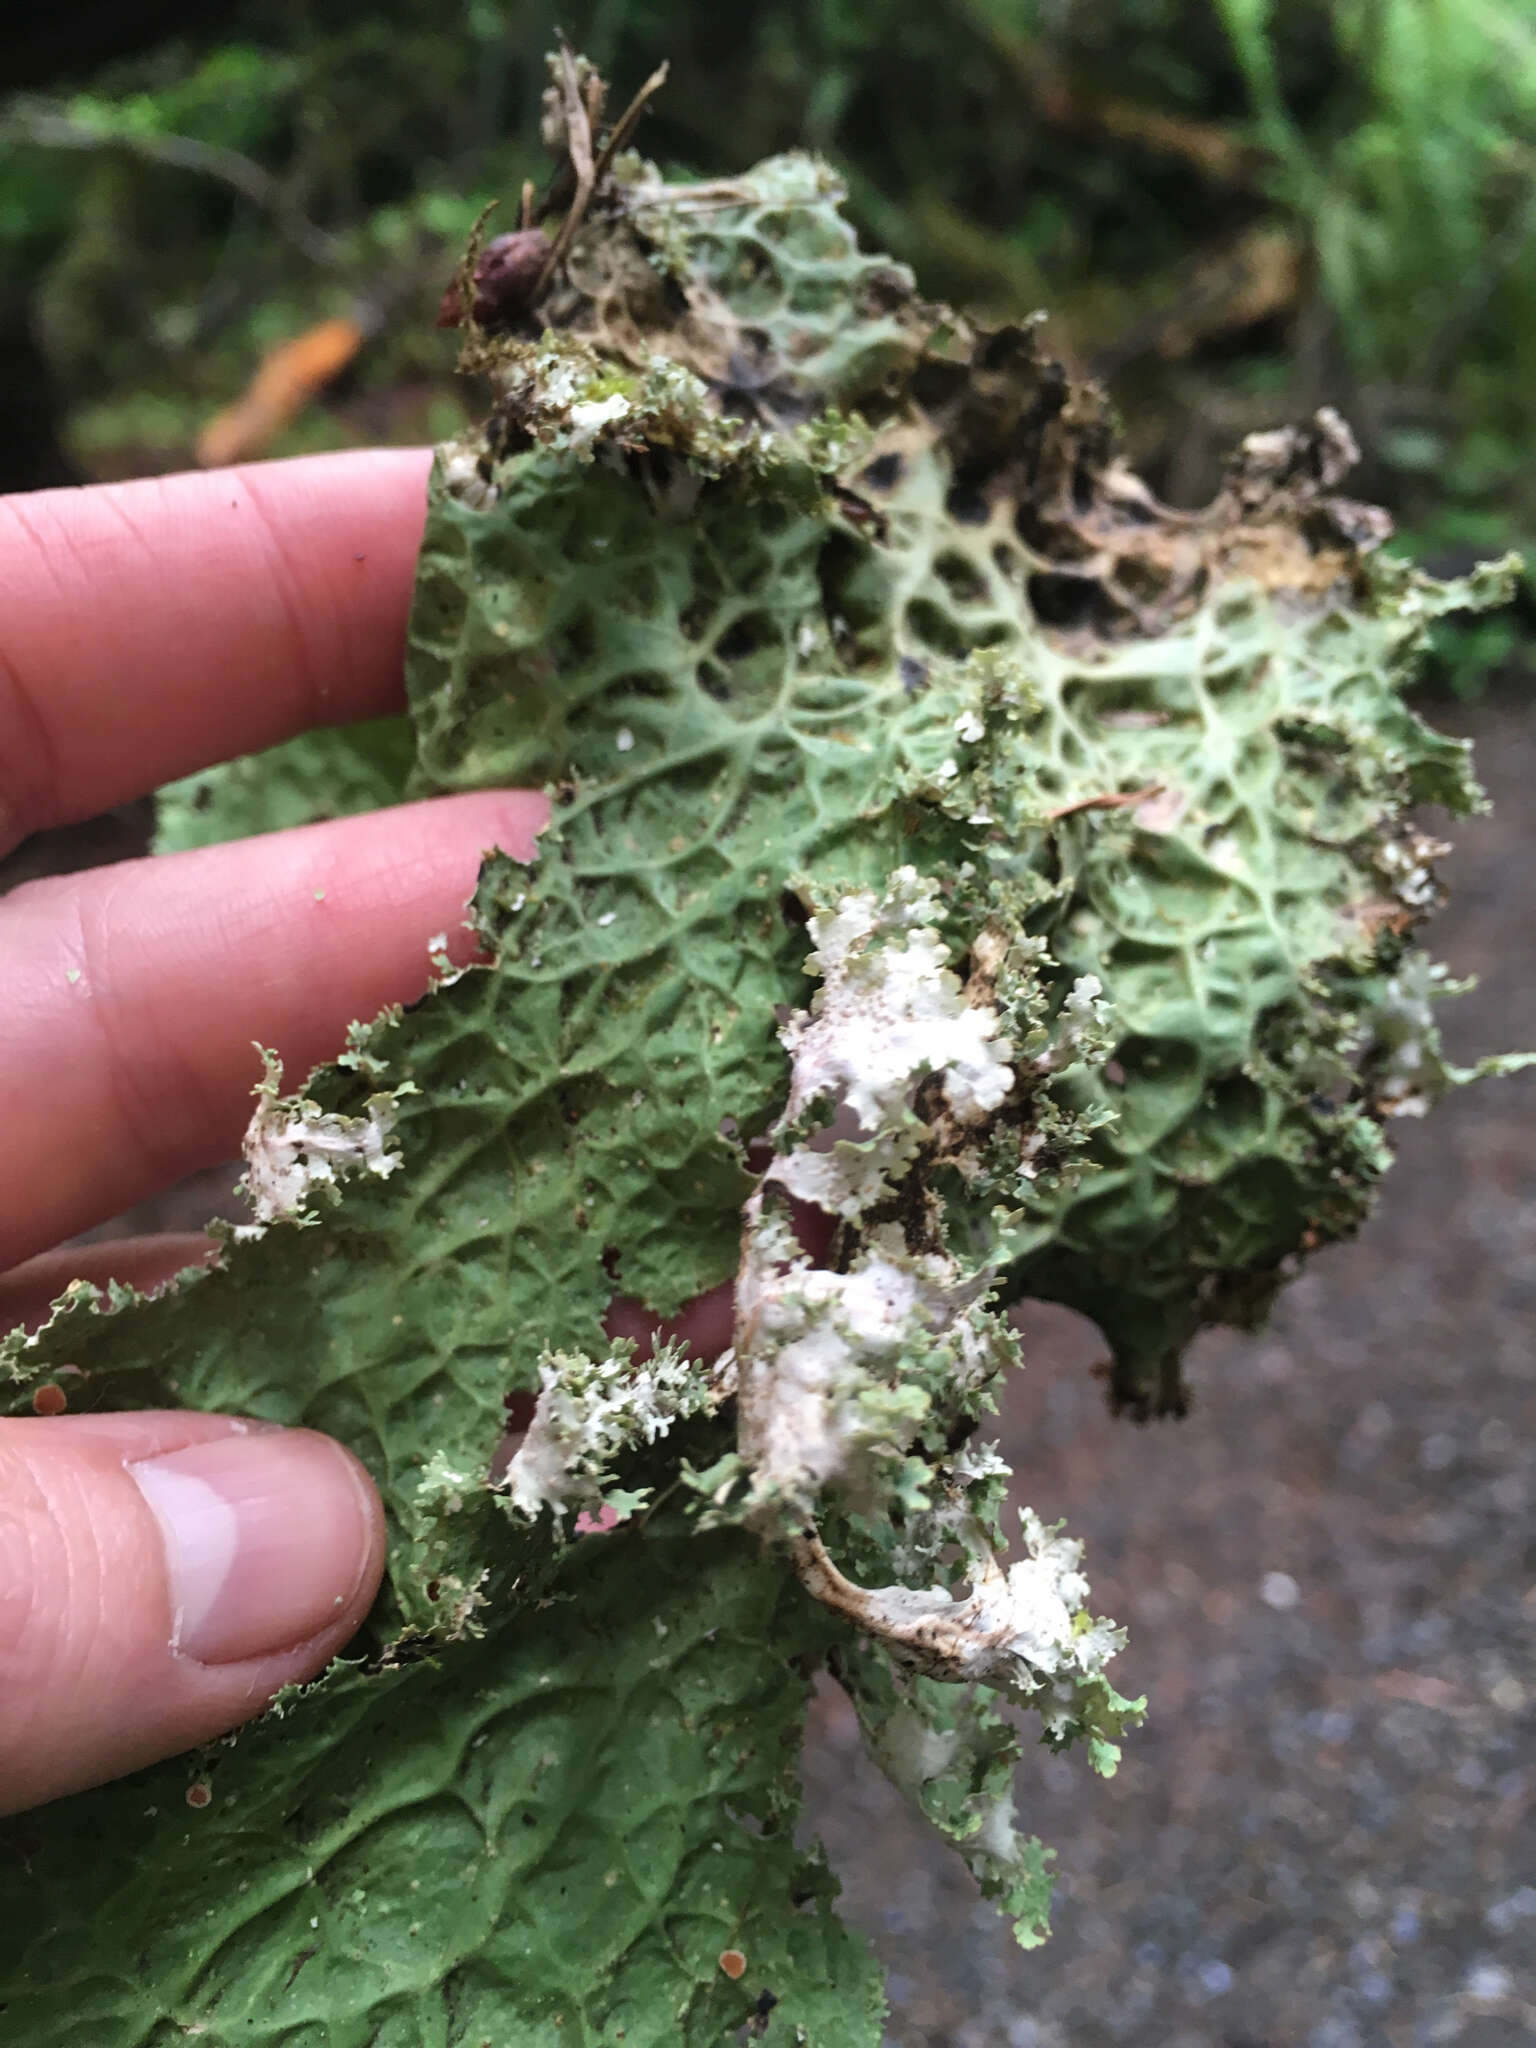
(161, 1576)
(707, 1325)
(147, 629)
(28, 1291)
(704, 1327)
(133, 993)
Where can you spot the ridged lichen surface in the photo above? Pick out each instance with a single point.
(946, 838)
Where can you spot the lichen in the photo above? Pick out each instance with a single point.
(1022, 1629)
(890, 1012)
(592, 1414)
(845, 644)
(294, 1150)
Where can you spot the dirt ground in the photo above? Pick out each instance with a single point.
(1324, 1836)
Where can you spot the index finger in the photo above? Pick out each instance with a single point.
(149, 629)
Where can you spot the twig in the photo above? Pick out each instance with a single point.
(581, 117)
(463, 283)
(1224, 158)
(286, 380)
(183, 152)
(578, 143)
(932, 1632)
(594, 98)
(1062, 103)
(627, 123)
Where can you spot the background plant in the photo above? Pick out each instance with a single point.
(1231, 209)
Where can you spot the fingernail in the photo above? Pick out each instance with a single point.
(267, 1538)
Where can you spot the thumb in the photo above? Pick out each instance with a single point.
(161, 1576)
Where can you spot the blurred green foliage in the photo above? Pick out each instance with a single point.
(175, 215)
(1421, 200)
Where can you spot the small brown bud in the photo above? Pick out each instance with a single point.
(506, 277)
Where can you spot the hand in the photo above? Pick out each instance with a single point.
(162, 1575)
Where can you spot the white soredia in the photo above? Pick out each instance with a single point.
(831, 1360)
(890, 1012)
(821, 1357)
(591, 1411)
(293, 1147)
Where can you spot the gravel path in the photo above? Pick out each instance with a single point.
(1324, 1836)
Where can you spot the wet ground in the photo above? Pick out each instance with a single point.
(1326, 1833)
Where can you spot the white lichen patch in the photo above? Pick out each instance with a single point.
(890, 1012)
(440, 960)
(1406, 1068)
(967, 1490)
(913, 1752)
(460, 469)
(446, 1483)
(825, 1360)
(589, 417)
(591, 1412)
(1083, 1027)
(1022, 1629)
(842, 1366)
(292, 1148)
(568, 397)
(1406, 865)
(952, 1753)
(1411, 1073)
